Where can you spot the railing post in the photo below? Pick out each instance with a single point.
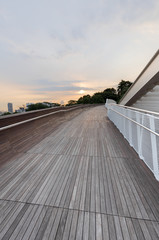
(138, 132)
(130, 129)
(154, 148)
(133, 126)
(141, 137)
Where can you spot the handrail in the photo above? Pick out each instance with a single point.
(35, 118)
(148, 129)
(136, 109)
(140, 128)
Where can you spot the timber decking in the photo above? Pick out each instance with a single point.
(83, 181)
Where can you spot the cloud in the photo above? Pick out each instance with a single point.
(45, 85)
(61, 88)
(46, 46)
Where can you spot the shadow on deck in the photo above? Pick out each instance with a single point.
(83, 181)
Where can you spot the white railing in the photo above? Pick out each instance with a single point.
(141, 129)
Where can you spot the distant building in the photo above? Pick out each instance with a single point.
(10, 107)
(20, 110)
(27, 104)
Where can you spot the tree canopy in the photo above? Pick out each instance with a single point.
(122, 88)
(110, 93)
(36, 106)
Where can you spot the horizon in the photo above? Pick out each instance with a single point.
(59, 51)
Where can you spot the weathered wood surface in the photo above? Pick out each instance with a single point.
(19, 117)
(21, 136)
(83, 181)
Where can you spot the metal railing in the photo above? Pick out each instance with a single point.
(141, 129)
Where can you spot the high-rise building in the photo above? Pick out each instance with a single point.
(10, 107)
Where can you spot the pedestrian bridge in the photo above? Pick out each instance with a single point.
(81, 180)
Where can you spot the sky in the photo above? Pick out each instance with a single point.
(60, 50)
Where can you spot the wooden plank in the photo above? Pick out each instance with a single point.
(111, 227)
(156, 228)
(70, 183)
(106, 188)
(21, 223)
(92, 192)
(131, 229)
(68, 225)
(144, 230)
(84, 184)
(101, 188)
(11, 224)
(80, 185)
(50, 224)
(145, 208)
(98, 227)
(65, 183)
(105, 229)
(22, 227)
(118, 228)
(111, 191)
(32, 223)
(138, 229)
(65, 164)
(80, 224)
(73, 226)
(124, 228)
(75, 186)
(151, 230)
(88, 187)
(123, 211)
(97, 197)
(92, 227)
(61, 225)
(55, 225)
(86, 226)
(97, 190)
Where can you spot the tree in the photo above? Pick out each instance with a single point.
(71, 102)
(110, 93)
(6, 113)
(122, 88)
(36, 106)
(80, 100)
(97, 98)
(86, 99)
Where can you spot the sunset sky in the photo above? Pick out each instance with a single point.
(51, 50)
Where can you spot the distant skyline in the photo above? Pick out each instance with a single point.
(60, 50)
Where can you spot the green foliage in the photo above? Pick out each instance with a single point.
(122, 88)
(110, 93)
(97, 98)
(86, 99)
(6, 113)
(36, 106)
(55, 105)
(71, 102)
(80, 100)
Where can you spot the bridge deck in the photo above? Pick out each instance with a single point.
(82, 182)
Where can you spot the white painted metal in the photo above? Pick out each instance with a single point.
(150, 101)
(141, 130)
(145, 77)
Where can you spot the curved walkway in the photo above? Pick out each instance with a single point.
(81, 182)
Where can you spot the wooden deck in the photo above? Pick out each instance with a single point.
(81, 182)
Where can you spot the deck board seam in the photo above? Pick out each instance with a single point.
(79, 210)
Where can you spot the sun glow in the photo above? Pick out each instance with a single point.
(81, 91)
